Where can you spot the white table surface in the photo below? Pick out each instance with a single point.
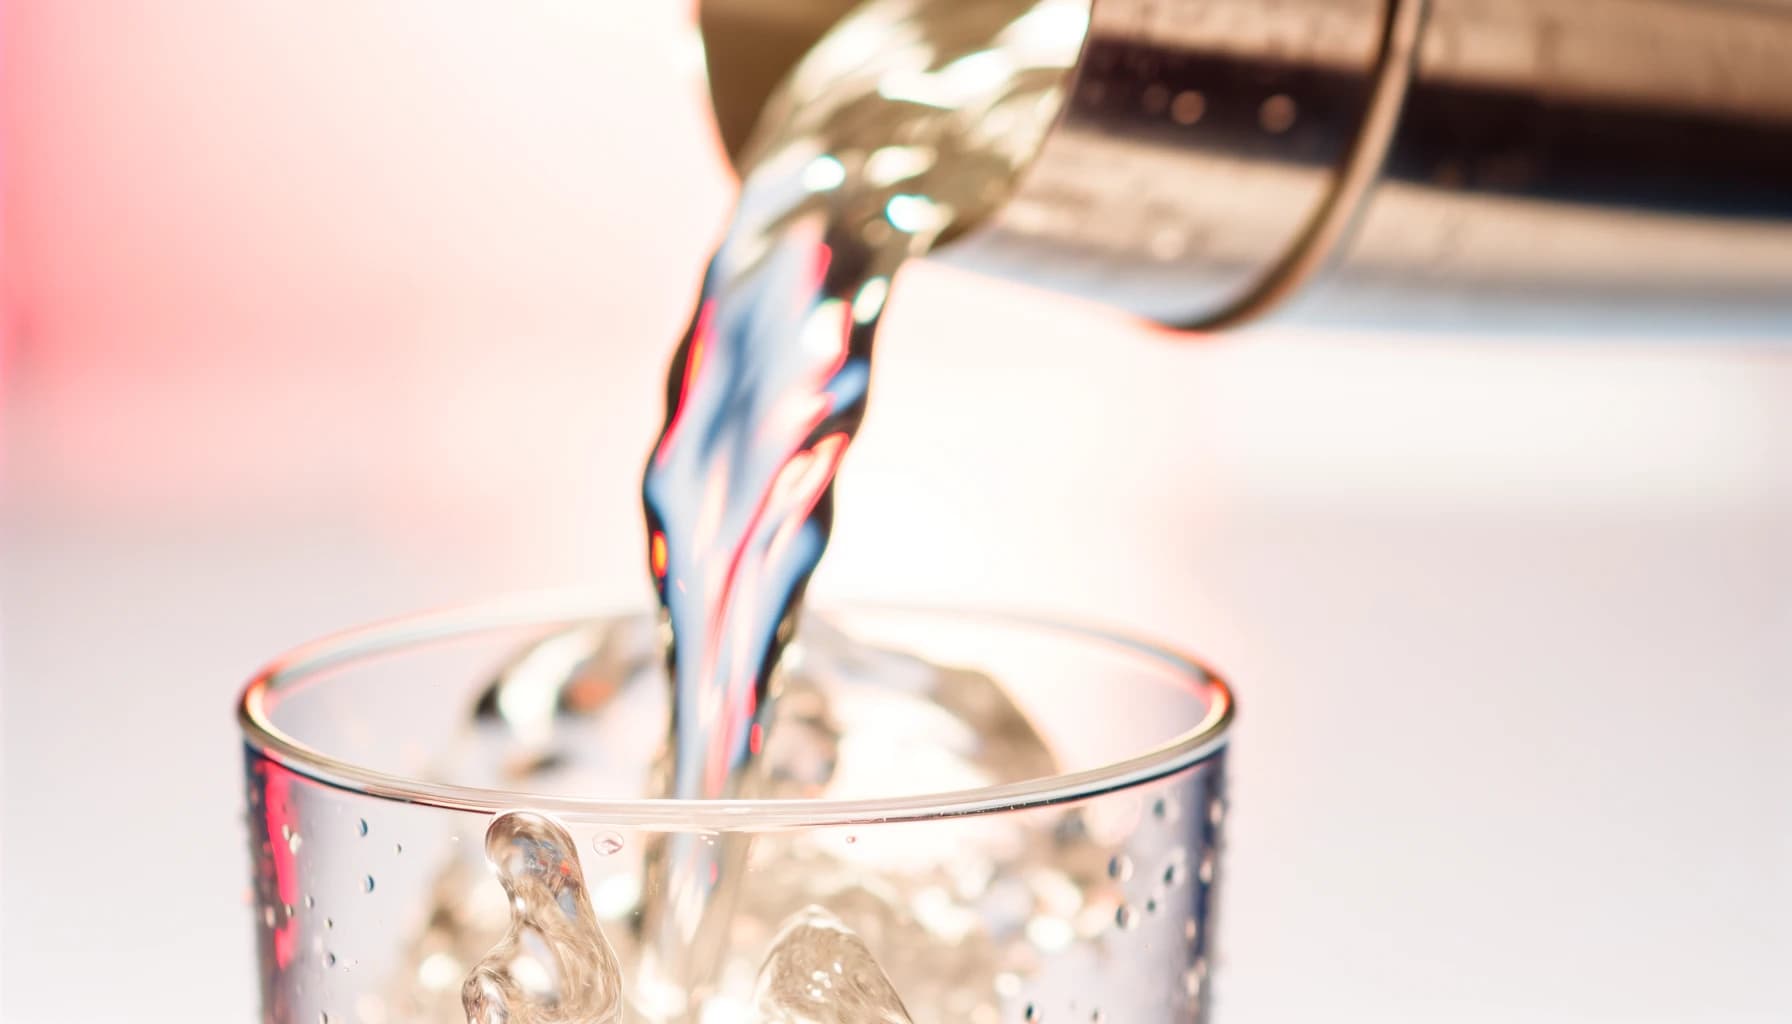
(1511, 620)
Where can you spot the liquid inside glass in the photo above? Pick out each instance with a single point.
(909, 122)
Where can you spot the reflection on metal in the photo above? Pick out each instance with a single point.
(1616, 164)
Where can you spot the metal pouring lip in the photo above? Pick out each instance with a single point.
(744, 72)
(1329, 225)
(1545, 166)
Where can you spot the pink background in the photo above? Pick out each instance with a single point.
(317, 312)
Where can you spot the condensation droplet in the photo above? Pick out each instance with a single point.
(1168, 242)
(1032, 1013)
(362, 826)
(367, 884)
(606, 843)
(1126, 918)
(1120, 867)
(1206, 868)
(293, 841)
(397, 848)
(1277, 114)
(1150, 906)
(1187, 107)
(329, 922)
(1190, 929)
(310, 902)
(329, 959)
(1196, 979)
(1175, 868)
(1154, 99)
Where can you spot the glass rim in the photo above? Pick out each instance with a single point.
(1185, 750)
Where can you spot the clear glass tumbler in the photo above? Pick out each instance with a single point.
(1086, 895)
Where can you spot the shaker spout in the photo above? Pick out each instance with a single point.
(1544, 165)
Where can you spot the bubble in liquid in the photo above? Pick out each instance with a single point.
(553, 965)
(820, 972)
(607, 843)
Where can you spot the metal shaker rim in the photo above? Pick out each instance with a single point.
(1332, 220)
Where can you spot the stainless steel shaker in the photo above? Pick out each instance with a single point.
(1563, 165)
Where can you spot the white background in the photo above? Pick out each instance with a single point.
(335, 311)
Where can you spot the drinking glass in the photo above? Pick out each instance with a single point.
(1086, 895)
